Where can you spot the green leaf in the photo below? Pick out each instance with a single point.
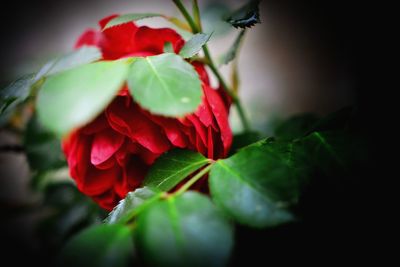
(168, 47)
(338, 120)
(15, 93)
(165, 84)
(231, 53)
(43, 149)
(295, 127)
(193, 46)
(257, 185)
(102, 245)
(81, 56)
(184, 231)
(246, 16)
(335, 152)
(72, 98)
(244, 139)
(212, 21)
(131, 202)
(129, 18)
(172, 167)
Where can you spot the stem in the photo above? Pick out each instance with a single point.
(186, 14)
(196, 15)
(193, 180)
(196, 29)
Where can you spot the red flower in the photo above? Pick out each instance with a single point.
(110, 156)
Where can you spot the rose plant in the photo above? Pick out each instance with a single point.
(147, 137)
(110, 156)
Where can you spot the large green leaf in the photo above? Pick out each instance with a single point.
(244, 139)
(130, 203)
(338, 120)
(15, 93)
(81, 56)
(72, 98)
(334, 152)
(103, 245)
(165, 84)
(172, 167)
(257, 184)
(231, 53)
(295, 127)
(184, 231)
(129, 18)
(245, 16)
(193, 46)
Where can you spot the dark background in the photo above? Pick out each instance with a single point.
(337, 222)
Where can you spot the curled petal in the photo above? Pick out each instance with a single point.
(133, 175)
(105, 144)
(107, 200)
(132, 123)
(153, 40)
(90, 37)
(221, 116)
(96, 181)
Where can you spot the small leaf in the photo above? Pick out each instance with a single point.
(295, 127)
(131, 202)
(246, 16)
(102, 245)
(129, 18)
(15, 93)
(72, 98)
(184, 231)
(81, 56)
(165, 84)
(231, 53)
(193, 46)
(168, 48)
(257, 185)
(172, 167)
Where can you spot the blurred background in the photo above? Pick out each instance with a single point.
(302, 58)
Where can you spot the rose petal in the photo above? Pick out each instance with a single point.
(153, 40)
(90, 37)
(200, 129)
(110, 163)
(210, 143)
(118, 40)
(96, 181)
(171, 129)
(205, 115)
(221, 115)
(99, 124)
(135, 125)
(107, 200)
(105, 144)
(133, 175)
(201, 70)
(146, 155)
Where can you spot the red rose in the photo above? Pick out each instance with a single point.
(110, 156)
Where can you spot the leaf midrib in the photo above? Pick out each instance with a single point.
(163, 84)
(182, 170)
(250, 184)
